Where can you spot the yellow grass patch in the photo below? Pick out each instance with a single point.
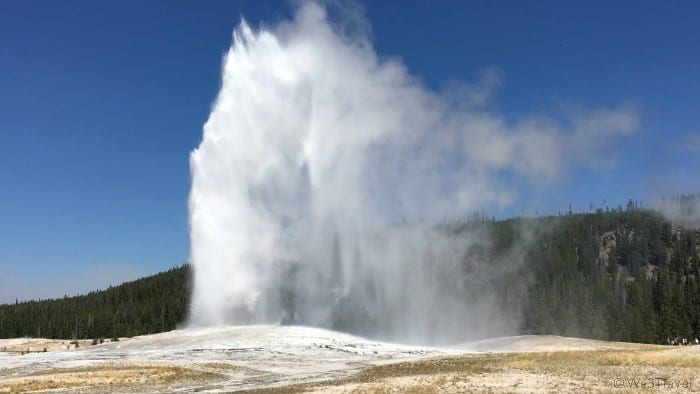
(623, 371)
(106, 377)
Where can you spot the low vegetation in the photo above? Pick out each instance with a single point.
(625, 371)
(109, 378)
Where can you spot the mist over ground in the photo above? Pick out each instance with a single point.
(316, 144)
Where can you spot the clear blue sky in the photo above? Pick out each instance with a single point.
(101, 103)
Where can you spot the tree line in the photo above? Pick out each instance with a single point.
(621, 274)
(149, 305)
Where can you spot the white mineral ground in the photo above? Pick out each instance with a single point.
(254, 357)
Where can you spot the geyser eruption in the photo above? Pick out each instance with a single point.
(315, 145)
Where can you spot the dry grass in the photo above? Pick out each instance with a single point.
(669, 358)
(618, 368)
(620, 371)
(20, 346)
(630, 370)
(111, 377)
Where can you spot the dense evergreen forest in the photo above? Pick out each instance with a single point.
(621, 274)
(145, 306)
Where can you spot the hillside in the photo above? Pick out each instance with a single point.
(628, 276)
(149, 305)
(624, 275)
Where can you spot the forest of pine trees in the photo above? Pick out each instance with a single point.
(149, 305)
(625, 274)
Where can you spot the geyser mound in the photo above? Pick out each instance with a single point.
(313, 146)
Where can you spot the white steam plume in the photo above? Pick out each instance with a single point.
(683, 210)
(315, 144)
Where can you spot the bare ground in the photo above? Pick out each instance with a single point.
(301, 359)
(39, 345)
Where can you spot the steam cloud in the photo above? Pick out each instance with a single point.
(681, 210)
(315, 144)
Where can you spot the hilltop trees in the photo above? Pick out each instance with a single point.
(643, 287)
(617, 275)
(149, 305)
